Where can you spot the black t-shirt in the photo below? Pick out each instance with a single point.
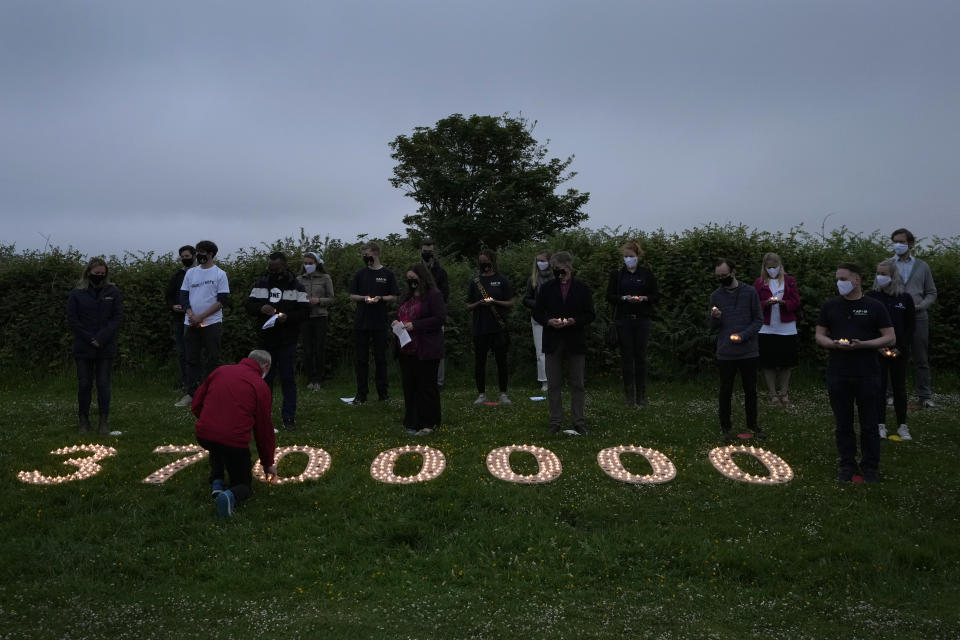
(371, 283)
(861, 319)
(497, 287)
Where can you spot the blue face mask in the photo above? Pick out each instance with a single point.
(630, 261)
(844, 287)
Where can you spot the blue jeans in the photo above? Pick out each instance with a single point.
(285, 361)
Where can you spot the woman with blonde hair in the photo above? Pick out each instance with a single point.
(632, 291)
(539, 275)
(779, 343)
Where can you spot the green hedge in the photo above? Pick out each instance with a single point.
(34, 287)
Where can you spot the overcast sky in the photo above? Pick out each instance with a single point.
(146, 125)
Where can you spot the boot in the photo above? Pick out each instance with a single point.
(104, 428)
(83, 424)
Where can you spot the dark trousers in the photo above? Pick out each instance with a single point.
(284, 362)
(421, 396)
(576, 363)
(364, 338)
(203, 353)
(633, 357)
(894, 371)
(88, 371)
(864, 392)
(748, 377)
(313, 335)
(918, 355)
(482, 344)
(236, 462)
(176, 329)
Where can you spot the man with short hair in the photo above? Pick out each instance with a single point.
(202, 295)
(187, 257)
(230, 404)
(918, 282)
(735, 314)
(372, 288)
(428, 253)
(279, 293)
(564, 306)
(853, 327)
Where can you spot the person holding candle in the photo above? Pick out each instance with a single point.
(852, 327)
(632, 291)
(372, 288)
(540, 274)
(230, 404)
(278, 293)
(736, 316)
(888, 288)
(319, 287)
(778, 340)
(490, 297)
(94, 314)
(421, 314)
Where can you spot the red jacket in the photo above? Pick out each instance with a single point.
(231, 402)
(789, 301)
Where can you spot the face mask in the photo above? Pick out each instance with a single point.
(413, 284)
(630, 261)
(559, 273)
(725, 281)
(899, 248)
(883, 280)
(543, 266)
(773, 272)
(368, 260)
(309, 268)
(187, 262)
(427, 256)
(202, 258)
(844, 287)
(96, 280)
(485, 266)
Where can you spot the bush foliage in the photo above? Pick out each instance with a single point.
(34, 286)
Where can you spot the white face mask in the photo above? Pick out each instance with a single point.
(309, 268)
(844, 287)
(543, 266)
(630, 261)
(883, 280)
(773, 272)
(899, 248)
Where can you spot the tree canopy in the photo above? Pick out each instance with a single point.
(483, 181)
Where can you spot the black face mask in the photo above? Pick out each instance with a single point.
(187, 262)
(725, 281)
(368, 260)
(427, 256)
(275, 276)
(559, 273)
(202, 258)
(413, 284)
(96, 280)
(485, 267)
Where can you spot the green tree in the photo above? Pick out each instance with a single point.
(483, 181)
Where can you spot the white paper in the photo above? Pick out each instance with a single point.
(402, 333)
(116, 433)
(538, 398)
(272, 320)
(347, 400)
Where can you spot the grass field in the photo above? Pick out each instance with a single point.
(470, 556)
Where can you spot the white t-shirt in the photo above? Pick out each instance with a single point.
(203, 285)
(776, 327)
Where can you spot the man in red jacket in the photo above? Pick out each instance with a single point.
(231, 402)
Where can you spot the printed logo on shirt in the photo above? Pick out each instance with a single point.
(205, 282)
(381, 280)
(861, 312)
(275, 295)
(900, 306)
(495, 283)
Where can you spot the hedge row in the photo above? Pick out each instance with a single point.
(34, 287)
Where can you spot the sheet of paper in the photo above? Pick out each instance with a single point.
(402, 334)
(272, 320)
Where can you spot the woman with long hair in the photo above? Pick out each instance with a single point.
(319, 287)
(94, 314)
(490, 297)
(779, 342)
(539, 275)
(888, 288)
(420, 318)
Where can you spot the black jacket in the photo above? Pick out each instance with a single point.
(285, 294)
(645, 284)
(173, 294)
(95, 314)
(578, 305)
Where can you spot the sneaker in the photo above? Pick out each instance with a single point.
(411, 431)
(480, 399)
(904, 432)
(928, 404)
(185, 401)
(226, 502)
(889, 401)
(504, 399)
(289, 424)
(845, 475)
(216, 488)
(544, 386)
(882, 429)
(760, 434)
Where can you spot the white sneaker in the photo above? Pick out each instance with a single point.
(185, 401)
(543, 387)
(889, 401)
(504, 399)
(882, 428)
(480, 399)
(904, 433)
(928, 404)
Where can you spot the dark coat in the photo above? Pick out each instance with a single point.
(292, 303)
(428, 328)
(95, 314)
(578, 305)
